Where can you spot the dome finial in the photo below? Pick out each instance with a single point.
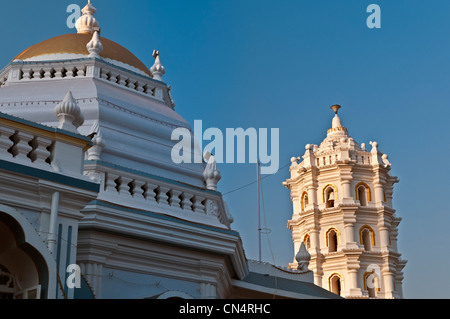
(87, 22)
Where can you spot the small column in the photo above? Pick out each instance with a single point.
(388, 284)
(379, 196)
(174, 199)
(198, 207)
(352, 288)
(138, 191)
(124, 188)
(384, 237)
(350, 235)
(349, 228)
(186, 203)
(149, 193)
(22, 148)
(52, 236)
(162, 197)
(111, 182)
(312, 192)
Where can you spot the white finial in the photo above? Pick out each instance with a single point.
(336, 120)
(87, 23)
(157, 69)
(303, 258)
(376, 154)
(69, 114)
(95, 46)
(98, 143)
(211, 173)
(385, 159)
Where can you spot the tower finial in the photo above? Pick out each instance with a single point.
(336, 120)
(335, 108)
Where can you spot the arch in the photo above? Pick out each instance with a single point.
(31, 247)
(367, 192)
(372, 291)
(304, 200)
(307, 241)
(327, 198)
(332, 239)
(365, 231)
(173, 294)
(336, 283)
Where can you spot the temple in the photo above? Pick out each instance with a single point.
(92, 205)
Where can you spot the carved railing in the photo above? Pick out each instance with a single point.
(20, 71)
(25, 147)
(144, 191)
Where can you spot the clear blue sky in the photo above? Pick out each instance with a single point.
(281, 64)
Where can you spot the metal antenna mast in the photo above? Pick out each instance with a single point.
(259, 211)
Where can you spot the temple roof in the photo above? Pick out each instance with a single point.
(75, 43)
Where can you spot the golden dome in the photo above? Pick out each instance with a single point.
(75, 43)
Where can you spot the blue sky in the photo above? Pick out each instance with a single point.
(282, 64)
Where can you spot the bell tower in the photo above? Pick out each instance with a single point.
(342, 212)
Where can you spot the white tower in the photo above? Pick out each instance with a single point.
(342, 212)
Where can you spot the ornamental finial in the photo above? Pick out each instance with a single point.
(87, 23)
(303, 257)
(335, 108)
(95, 46)
(157, 69)
(69, 114)
(211, 173)
(336, 120)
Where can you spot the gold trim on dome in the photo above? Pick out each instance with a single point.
(75, 43)
(337, 129)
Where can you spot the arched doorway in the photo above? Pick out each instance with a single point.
(24, 271)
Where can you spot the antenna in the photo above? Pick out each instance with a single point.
(259, 210)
